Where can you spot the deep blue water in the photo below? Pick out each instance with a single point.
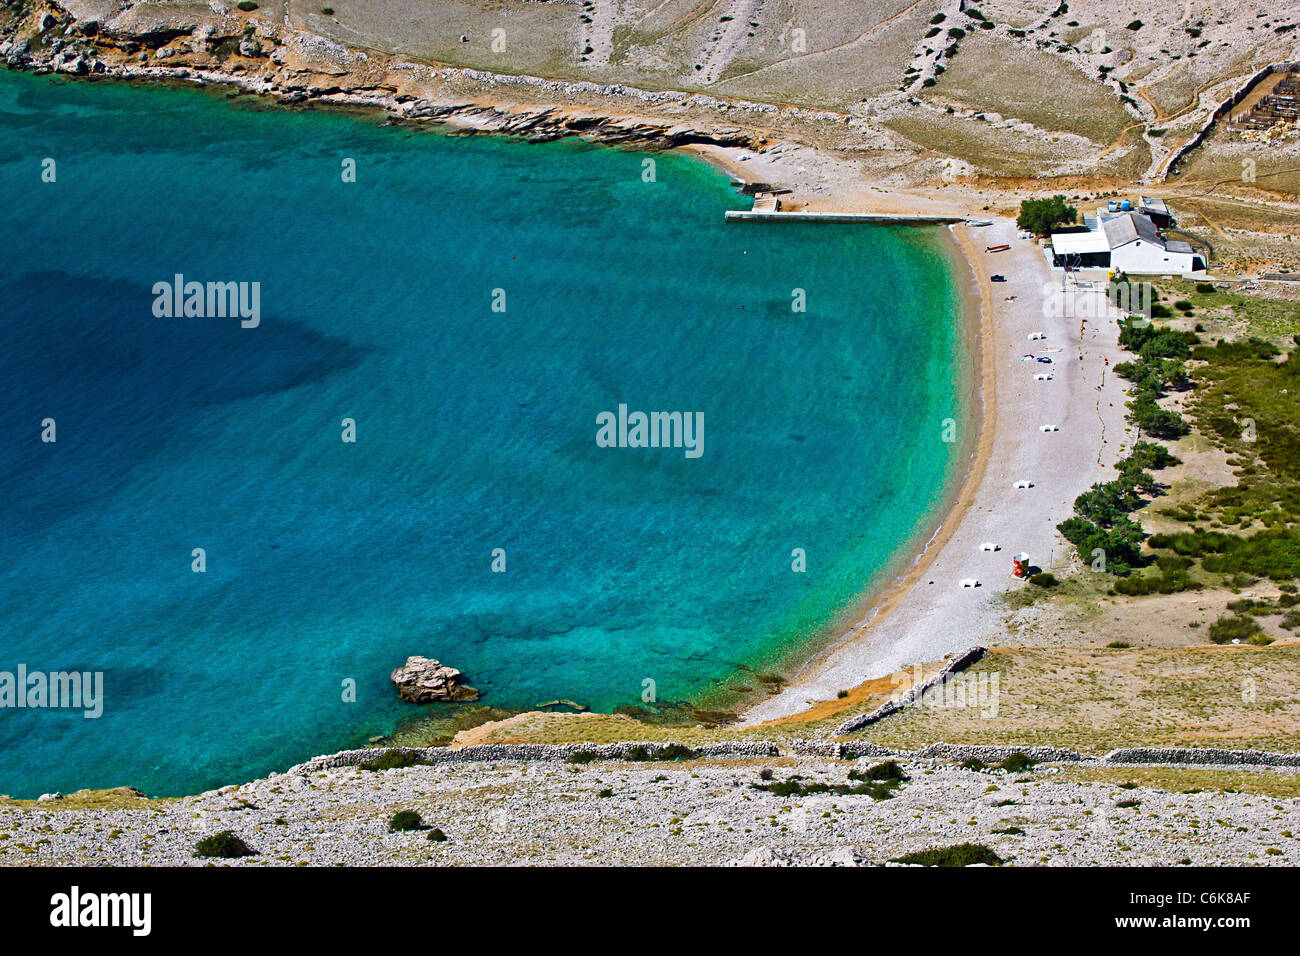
(475, 429)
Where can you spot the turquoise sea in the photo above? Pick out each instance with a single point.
(475, 429)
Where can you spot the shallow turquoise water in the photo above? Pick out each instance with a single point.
(475, 429)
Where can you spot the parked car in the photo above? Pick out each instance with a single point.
(998, 278)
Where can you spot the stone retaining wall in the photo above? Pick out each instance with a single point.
(529, 752)
(825, 749)
(996, 753)
(1202, 756)
(1223, 110)
(958, 663)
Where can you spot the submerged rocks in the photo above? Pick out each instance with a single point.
(422, 680)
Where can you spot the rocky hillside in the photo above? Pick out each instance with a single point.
(1021, 88)
(748, 811)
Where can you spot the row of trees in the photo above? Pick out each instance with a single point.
(1102, 515)
(1159, 368)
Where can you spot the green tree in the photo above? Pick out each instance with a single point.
(1039, 216)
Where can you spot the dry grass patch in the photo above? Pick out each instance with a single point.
(1281, 784)
(1096, 699)
(997, 75)
(116, 798)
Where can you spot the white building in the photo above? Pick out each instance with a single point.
(1129, 242)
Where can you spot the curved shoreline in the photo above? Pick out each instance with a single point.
(880, 602)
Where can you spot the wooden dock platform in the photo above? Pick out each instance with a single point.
(756, 215)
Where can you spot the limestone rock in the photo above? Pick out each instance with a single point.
(423, 680)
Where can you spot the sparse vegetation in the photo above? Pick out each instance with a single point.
(963, 854)
(224, 845)
(1016, 763)
(404, 821)
(1233, 627)
(391, 760)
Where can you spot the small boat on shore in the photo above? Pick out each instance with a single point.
(979, 222)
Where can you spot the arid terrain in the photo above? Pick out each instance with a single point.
(936, 107)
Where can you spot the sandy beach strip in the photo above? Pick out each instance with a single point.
(925, 613)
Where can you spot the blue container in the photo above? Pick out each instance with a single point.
(1125, 206)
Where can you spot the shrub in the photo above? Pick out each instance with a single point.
(1147, 454)
(670, 752)
(224, 845)
(391, 760)
(971, 763)
(1135, 25)
(938, 18)
(1233, 627)
(437, 836)
(1016, 763)
(1044, 579)
(963, 854)
(1119, 645)
(404, 821)
(1205, 288)
(794, 786)
(246, 5)
(889, 770)
(607, 792)
(1182, 305)
(583, 756)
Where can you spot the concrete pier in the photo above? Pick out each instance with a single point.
(739, 215)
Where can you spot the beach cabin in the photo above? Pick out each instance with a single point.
(1129, 242)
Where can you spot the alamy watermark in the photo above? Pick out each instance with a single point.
(626, 429)
(960, 691)
(1134, 299)
(208, 300)
(70, 690)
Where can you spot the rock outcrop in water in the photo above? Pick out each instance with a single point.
(422, 680)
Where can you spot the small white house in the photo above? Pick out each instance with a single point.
(1129, 242)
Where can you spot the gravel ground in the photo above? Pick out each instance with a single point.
(698, 812)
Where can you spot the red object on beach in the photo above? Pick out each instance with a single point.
(1001, 248)
(1020, 565)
